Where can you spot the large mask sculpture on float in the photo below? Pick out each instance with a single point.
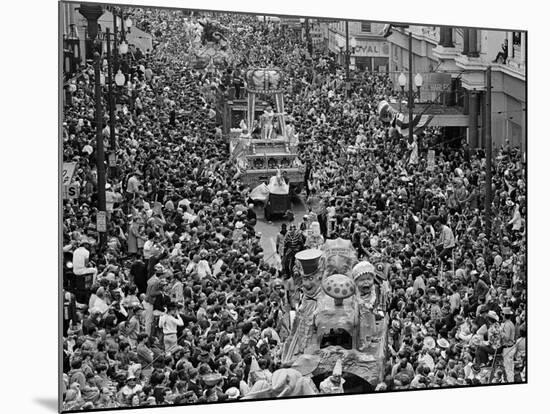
(308, 273)
(363, 275)
(309, 268)
(339, 316)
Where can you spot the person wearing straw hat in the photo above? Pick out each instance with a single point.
(334, 384)
(492, 343)
(508, 342)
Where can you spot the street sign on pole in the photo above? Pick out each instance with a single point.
(71, 191)
(112, 159)
(68, 172)
(102, 221)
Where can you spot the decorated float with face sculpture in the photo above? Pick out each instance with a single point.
(341, 315)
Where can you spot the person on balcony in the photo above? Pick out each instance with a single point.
(503, 54)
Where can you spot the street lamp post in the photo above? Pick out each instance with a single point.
(348, 89)
(92, 14)
(112, 134)
(402, 79)
(411, 100)
(488, 154)
(418, 81)
(115, 43)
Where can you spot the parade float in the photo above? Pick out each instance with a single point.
(341, 316)
(209, 46)
(400, 121)
(265, 143)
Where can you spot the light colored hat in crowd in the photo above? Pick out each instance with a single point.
(507, 310)
(212, 379)
(443, 343)
(233, 393)
(429, 342)
(493, 315)
(239, 225)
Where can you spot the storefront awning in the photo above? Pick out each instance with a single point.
(440, 115)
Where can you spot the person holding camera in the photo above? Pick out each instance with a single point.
(169, 323)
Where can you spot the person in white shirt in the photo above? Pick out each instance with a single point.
(203, 269)
(169, 323)
(150, 248)
(516, 221)
(112, 197)
(133, 184)
(446, 241)
(81, 256)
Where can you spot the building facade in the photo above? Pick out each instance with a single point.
(467, 53)
(77, 48)
(463, 55)
(369, 50)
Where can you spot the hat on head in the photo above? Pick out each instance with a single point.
(429, 342)
(443, 343)
(309, 260)
(362, 268)
(493, 315)
(233, 393)
(211, 379)
(507, 311)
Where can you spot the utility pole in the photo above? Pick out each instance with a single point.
(92, 12)
(488, 154)
(411, 96)
(308, 36)
(115, 43)
(100, 156)
(348, 89)
(112, 136)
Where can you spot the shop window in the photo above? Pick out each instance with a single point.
(514, 134)
(366, 27)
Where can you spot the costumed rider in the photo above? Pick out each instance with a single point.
(363, 274)
(335, 383)
(277, 184)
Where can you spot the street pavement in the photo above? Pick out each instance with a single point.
(270, 230)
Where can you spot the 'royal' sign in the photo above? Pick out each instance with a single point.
(372, 49)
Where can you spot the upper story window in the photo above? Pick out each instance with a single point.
(366, 27)
(516, 38)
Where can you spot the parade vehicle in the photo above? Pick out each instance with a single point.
(277, 205)
(264, 141)
(341, 316)
(278, 201)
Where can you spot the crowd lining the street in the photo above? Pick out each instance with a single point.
(184, 306)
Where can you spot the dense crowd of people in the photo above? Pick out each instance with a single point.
(185, 308)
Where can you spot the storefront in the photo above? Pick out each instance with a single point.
(372, 56)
